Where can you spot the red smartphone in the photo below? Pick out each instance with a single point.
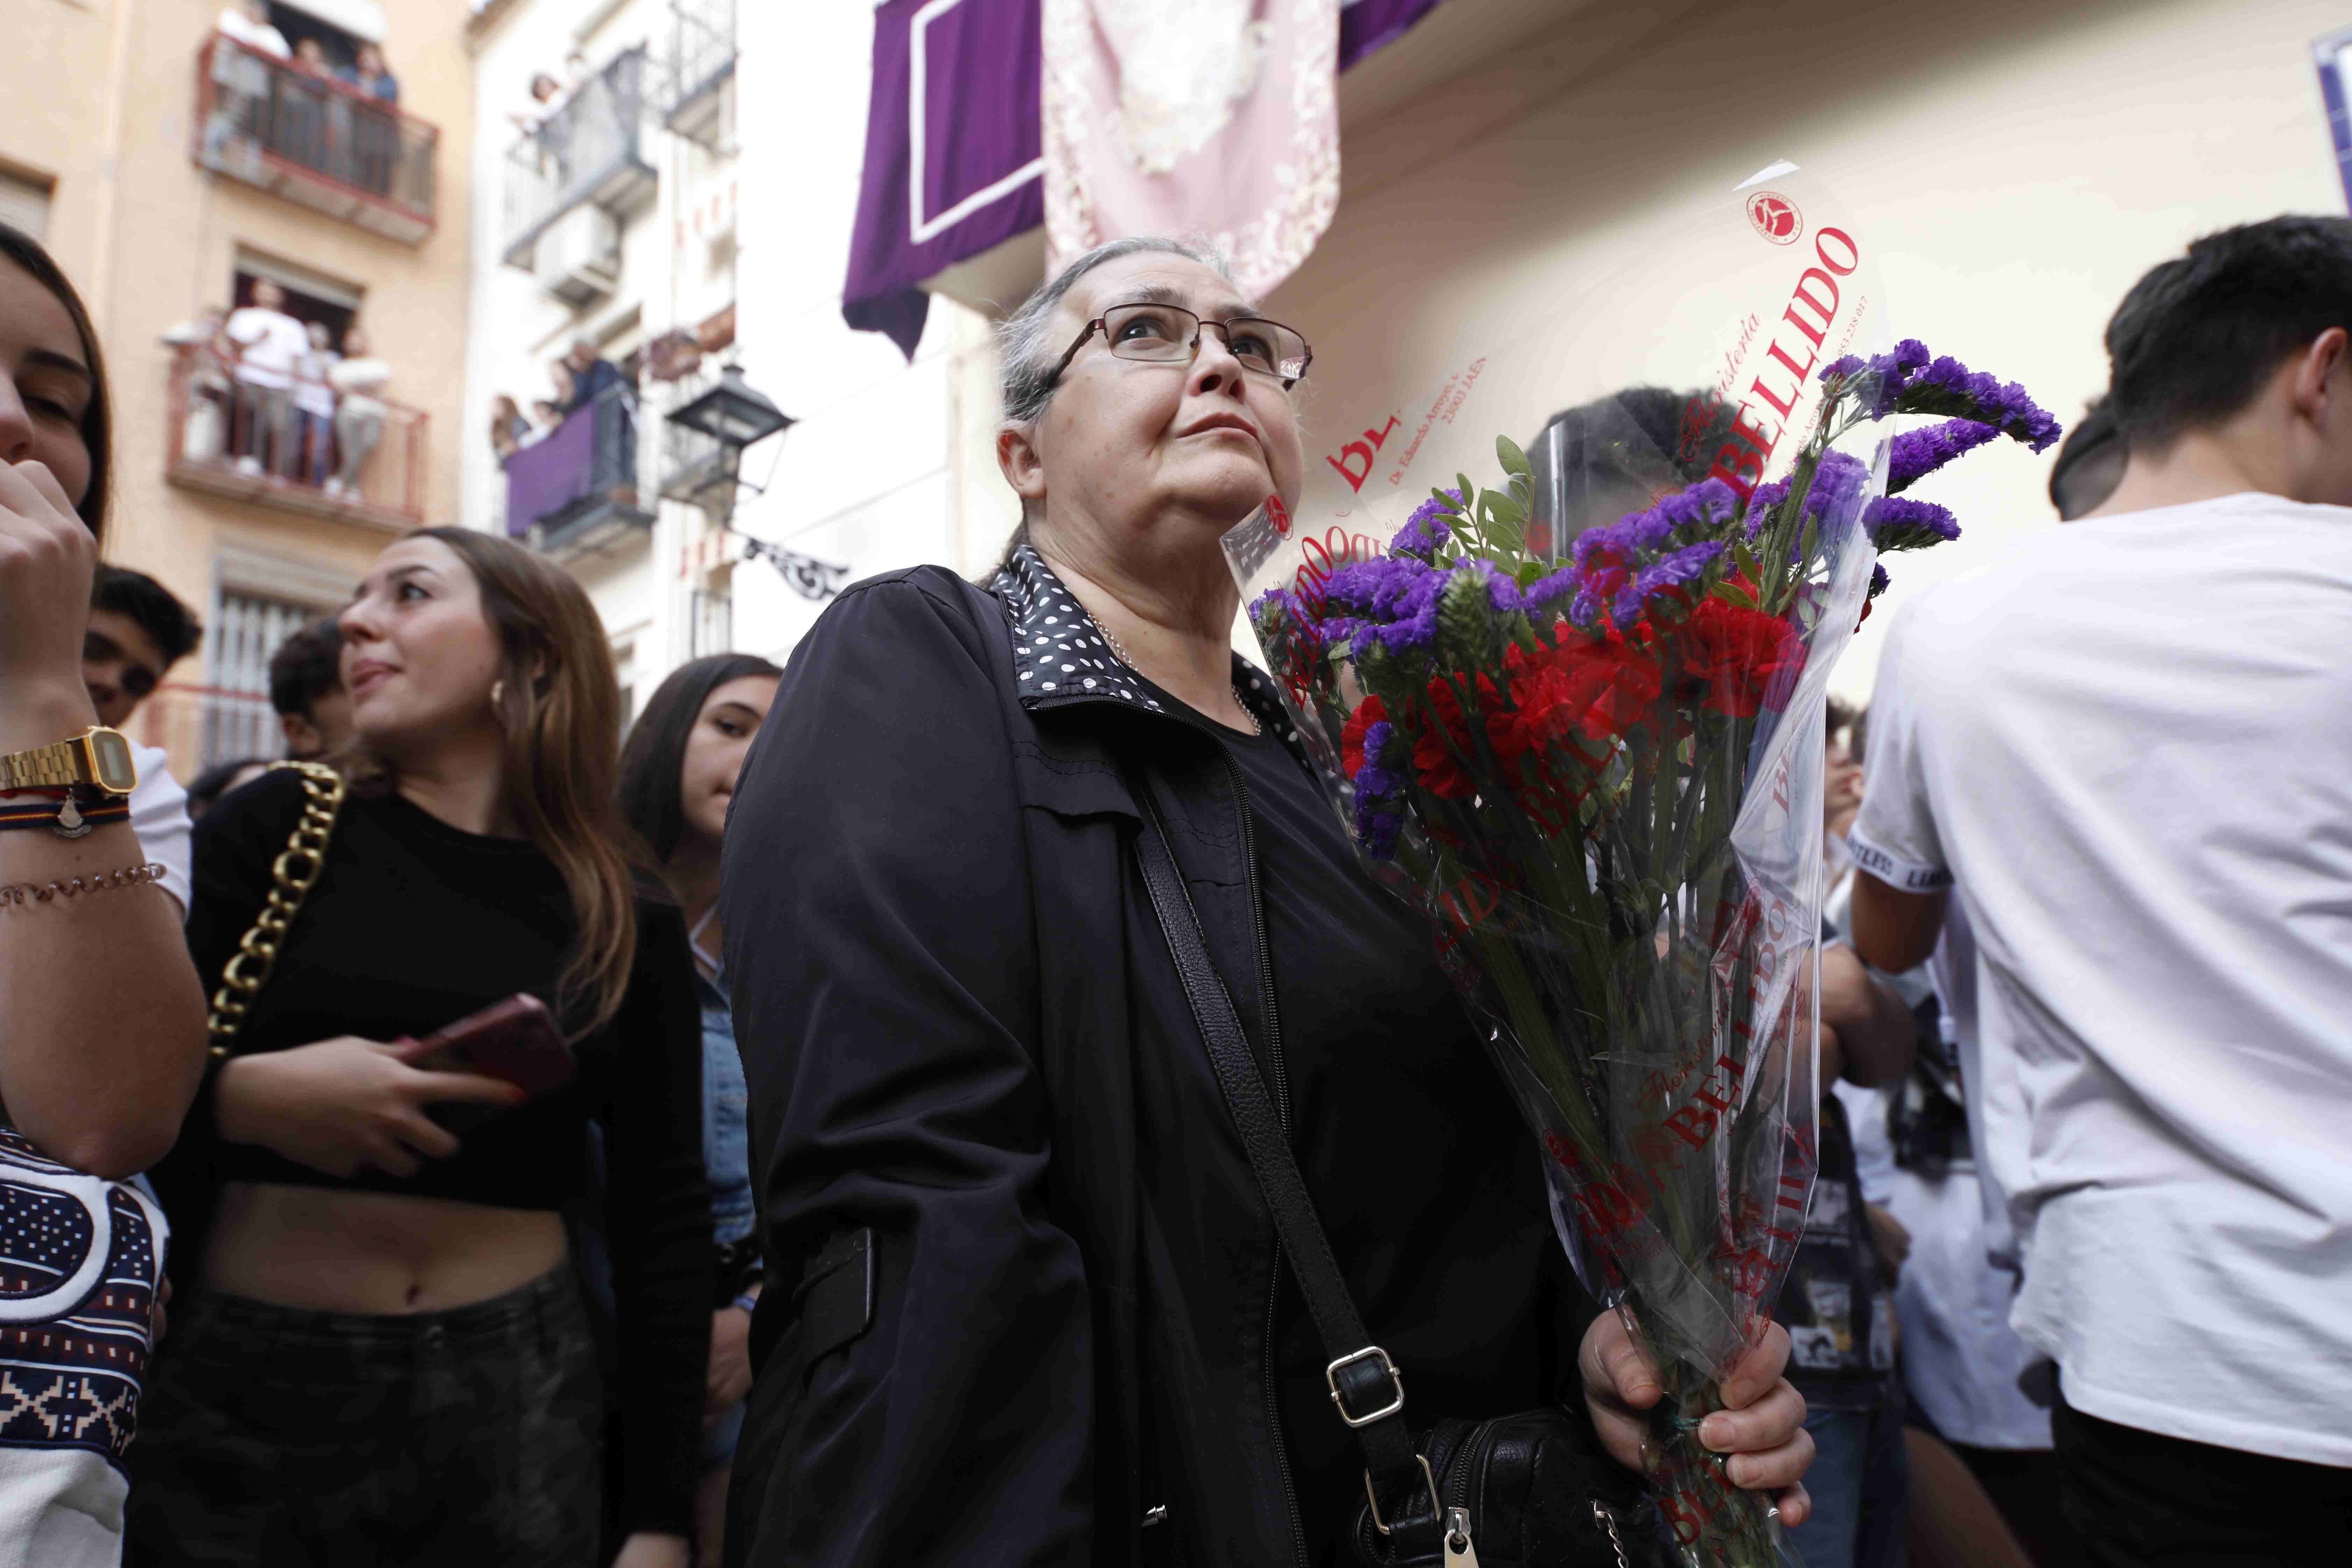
(515, 1040)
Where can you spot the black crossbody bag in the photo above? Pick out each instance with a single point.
(1527, 1489)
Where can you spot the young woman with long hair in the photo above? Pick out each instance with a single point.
(383, 1347)
(678, 777)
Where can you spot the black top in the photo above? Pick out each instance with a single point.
(1376, 1050)
(411, 925)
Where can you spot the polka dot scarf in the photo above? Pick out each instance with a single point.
(1058, 656)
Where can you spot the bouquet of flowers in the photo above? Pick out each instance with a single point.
(1598, 767)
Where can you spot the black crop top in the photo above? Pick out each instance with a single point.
(411, 925)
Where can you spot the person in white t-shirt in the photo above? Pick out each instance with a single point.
(2125, 741)
(270, 345)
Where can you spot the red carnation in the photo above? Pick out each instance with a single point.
(1747, 659)
(1371, 711)
(1439, 751)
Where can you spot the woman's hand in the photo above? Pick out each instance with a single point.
(347, 1102)
(47, 559)
(647, 1550)
(1761, 1424)
(729, 1378)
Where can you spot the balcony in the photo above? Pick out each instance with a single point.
(700, 65)
(225, 444)
(574, 491)
(586, 151)
(315, 141)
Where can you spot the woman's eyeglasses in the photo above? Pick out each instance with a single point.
(1169, 334)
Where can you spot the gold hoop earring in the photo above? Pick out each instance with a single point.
(498, 691)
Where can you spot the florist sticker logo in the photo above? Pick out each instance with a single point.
(1775, 216)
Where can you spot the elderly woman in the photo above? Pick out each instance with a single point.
(1027, 1302)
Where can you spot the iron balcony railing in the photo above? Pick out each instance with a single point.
(314, 139)
(576, 489)
(587, 149)
(701, 61)
(227, 444)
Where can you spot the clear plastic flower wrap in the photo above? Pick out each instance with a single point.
(1575, 712)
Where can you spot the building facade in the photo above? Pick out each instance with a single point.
(671, 203)
(175, 172)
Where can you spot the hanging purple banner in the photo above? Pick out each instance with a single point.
(954, 160)
(1366, 24)
(551, 473)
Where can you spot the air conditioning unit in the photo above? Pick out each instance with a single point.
(578, 259)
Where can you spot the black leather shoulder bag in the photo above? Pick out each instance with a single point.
(1523, 1490)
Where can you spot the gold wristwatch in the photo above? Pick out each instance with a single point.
(97, 759)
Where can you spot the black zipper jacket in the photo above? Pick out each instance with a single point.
(1022, 1289)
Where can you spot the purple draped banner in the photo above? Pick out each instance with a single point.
(954, 160)
(551, 473)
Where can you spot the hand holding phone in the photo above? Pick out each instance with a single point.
(515, 1041)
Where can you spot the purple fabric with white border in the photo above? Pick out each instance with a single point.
(981, 164)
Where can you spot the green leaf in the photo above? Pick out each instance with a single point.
(1514, 460)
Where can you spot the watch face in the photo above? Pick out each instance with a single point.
(109, 759)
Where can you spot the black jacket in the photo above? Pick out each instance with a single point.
(965, 1040)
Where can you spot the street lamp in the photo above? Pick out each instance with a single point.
(732, 414)
(735, 415)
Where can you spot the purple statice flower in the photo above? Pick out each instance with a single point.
(1879, 581)
(1947, 386)
(1546, 591)
(1426, 529)
(1376, 586)
(1679, 570)
(1837, 481)
(1379, 792)
(1898, 522)
(1883, 376)
(1916, 454)
(1415, 621)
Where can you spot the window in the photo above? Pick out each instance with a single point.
(24, 203)
(245, 630)
(309, 296)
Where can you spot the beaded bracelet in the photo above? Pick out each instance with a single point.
(42, 892)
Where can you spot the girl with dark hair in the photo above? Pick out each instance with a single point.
(383, 1347)
(101, 1023)
(677, 778)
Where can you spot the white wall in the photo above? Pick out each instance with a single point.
(2019, 165)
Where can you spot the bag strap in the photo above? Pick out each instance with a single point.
(292, 876)
(1365, 1385)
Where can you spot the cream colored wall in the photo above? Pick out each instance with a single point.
(102, 97)
(2018, 166)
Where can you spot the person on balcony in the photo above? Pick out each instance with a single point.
(375, 144)
(268, 344)
(314, 406)
(509, 429)
(209, 391)
(241, 82)
(359, 412)
(590, 374)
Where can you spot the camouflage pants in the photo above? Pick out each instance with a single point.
(277, 1437)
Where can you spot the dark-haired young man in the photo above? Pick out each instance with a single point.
(2127, 743)
(137, 632)
(306, 688)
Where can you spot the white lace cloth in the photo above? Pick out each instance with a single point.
(1216, 119)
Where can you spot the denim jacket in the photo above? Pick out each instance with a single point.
(726, 1139)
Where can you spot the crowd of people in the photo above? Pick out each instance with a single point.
(269, 394)
(784, 1134)
(576, 380)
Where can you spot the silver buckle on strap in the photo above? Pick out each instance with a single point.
(1370, 1352)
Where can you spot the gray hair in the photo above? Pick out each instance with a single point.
(1028, 358)
(1026, 380)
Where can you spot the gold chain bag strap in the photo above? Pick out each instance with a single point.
(292, 876)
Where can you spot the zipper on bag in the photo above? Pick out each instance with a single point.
(1458, 1547)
